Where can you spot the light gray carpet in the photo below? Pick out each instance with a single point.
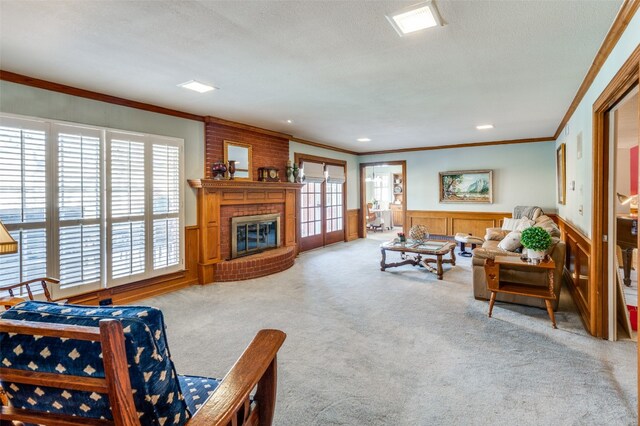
(366, 347)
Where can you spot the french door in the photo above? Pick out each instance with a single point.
(322, 204)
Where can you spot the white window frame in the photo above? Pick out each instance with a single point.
(52, 222)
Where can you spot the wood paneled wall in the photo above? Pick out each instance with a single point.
(152, 286)
(576, 273)
(451, 222)
(352, 224)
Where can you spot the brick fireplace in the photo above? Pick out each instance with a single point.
(219, 202)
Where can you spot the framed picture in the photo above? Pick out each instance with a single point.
(561, 173)
(466, 186)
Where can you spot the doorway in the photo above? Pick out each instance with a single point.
(623, 223)
(322, 201)
(383, 199)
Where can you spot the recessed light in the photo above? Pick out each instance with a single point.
(289, 121)
(484, 126)
(363, 140)
(197, 86)
(415, 18)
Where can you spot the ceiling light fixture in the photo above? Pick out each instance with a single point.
(415, 18)
(197, 86)
(484, 126)
(363, 140)
(289, 121)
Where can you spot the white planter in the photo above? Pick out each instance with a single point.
(535, 254)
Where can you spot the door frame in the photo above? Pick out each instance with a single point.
(297, 158)
(362, 223)
(622, 83)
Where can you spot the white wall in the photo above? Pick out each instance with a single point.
(523, 174)
(581, 170)
(353, 172)
(30, 101)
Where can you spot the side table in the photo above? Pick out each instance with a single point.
(495, 286)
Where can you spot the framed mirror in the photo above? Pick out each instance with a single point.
(241, 154)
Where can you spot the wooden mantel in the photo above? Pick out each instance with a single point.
(214, 194)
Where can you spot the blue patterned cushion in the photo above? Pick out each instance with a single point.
(156, 390)
(196, 390)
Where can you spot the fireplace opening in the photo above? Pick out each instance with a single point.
(254, 234)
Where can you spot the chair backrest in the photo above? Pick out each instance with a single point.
(88, 365)
(370, 215)
(11, 288)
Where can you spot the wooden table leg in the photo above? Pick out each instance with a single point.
(384, 258)
(627, 260)
(439, 265)
(491, 302)
(550, 312)
(453, 256)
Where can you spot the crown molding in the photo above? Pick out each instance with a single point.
(461, 145)
(247, 127)
(620, 24)
(96, 96)
(324, 146)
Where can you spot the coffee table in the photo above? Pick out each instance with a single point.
(414, 253)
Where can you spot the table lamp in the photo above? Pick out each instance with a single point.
(7, 244)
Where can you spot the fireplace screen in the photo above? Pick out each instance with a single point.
(253, 234)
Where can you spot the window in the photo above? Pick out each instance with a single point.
(382, 189)
(23, 198)
(92, 206)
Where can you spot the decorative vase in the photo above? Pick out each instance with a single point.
(232, 168)
(289, 173)
(419, 233)
(218, 170)
(535, 255)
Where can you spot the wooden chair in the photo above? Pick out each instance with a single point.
(374, 222)
(12, 299)
(230, 404)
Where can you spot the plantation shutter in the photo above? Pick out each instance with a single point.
(126, 208)
(79, 153)
(23, 198)
(166, 205)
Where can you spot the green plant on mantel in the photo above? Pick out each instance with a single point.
(536, 238)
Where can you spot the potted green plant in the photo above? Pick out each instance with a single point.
(537, 241)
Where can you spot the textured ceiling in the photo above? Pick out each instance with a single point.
(336, 68)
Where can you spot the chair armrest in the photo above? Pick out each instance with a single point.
(256, 366)
(495, 234)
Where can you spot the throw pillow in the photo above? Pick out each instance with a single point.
(546, 223)
(524, 224)
(510, 224)
(511, 242)
(495, 234)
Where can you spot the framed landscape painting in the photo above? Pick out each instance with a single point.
(466, 186)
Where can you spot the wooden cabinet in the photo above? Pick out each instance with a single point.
(398, 214)
(397, 187)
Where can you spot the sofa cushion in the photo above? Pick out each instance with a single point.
(546, 223)
(156, 390)
(509, 224)
(196, 390)
(495, 234)
(524, 224)
(511, 242)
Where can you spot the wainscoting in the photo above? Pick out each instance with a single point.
(577, 274)
(131, 292)
(450, 222)
(353, 218)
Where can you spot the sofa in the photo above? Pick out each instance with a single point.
(520, 274)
